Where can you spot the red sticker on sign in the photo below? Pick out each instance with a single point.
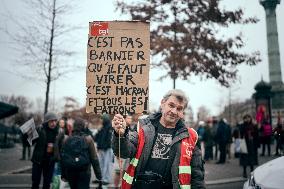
(99, 28)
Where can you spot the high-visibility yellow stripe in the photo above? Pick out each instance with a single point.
(185, 186)
(128, 178)
(134, 162)
(184, 169)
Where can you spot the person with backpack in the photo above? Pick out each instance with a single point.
(57, 183)
(77, 155)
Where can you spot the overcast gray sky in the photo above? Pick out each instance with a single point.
(208, 93)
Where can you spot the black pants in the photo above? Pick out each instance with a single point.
(79, 179)
(26, 148)
(222, 148)
(266, 141)
(46, 169)
(278, 146)
(208, 152)
(216, 151)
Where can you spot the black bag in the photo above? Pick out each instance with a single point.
(75, 154)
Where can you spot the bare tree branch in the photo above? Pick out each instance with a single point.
(184, 35)
(38, 40)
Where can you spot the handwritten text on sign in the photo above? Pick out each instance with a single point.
(118, 67)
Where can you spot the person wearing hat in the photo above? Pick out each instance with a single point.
(43, 158)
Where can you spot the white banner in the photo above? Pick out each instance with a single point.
(29, 129)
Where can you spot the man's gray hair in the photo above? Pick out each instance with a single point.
(179, 94)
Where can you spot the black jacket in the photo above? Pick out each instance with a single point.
(103, 137)
(129, 146)
(223, 135)
(40, 149)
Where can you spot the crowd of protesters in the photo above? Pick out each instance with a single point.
(56, 137)
(57, 140)
(49, 147)
(216, 137)
(65, 150)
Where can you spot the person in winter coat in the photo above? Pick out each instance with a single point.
(249, 132)
(214, 132)
(105, 153)
(279, 135)
(80, 178)
(163, 152)
(266, 133)
(223, 136)
(43, 158)
(200, 131)
(208, 141)
(26, 147)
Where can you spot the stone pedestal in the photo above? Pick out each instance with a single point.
(277, 103)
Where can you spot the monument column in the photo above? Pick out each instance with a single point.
(275, 76)
(272, 41)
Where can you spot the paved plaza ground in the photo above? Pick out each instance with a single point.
(15, 173)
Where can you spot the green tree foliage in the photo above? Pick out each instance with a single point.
(184, 37)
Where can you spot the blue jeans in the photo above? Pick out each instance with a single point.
(106, 162)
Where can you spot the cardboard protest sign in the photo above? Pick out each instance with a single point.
(118, 67)
(29, 129)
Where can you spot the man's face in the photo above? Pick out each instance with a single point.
(52, 124)
(128, 120)
(172, 110)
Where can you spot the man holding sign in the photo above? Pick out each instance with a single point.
(163, 151)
